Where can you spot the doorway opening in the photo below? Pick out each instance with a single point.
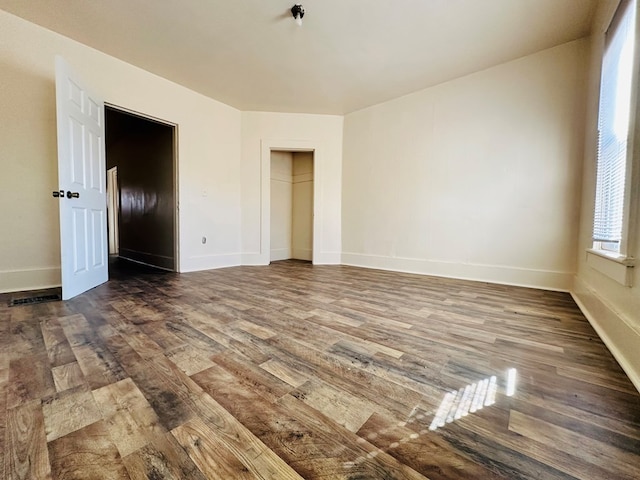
(291, 216)
(141, 189)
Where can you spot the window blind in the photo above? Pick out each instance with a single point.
(613, 125)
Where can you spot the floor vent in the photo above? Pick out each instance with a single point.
(33, 300)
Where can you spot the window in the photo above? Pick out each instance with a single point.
(614, 116)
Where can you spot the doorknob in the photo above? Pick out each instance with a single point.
(58, 193)
(72, 195)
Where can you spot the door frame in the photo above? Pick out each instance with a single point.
(113, 210)
(267, 146)
(176, 201)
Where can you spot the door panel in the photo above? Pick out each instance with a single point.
(79, 247)
(81, 170)
(98, 222)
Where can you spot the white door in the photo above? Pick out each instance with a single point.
(81, 180)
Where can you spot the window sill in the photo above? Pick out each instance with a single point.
(613, 265)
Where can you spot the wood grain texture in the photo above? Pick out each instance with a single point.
(69, 411)
(301, 371)
(86, 454)
(30, 378)
(55, 340)
(212, 456)
(68, 376)
(26, 445)
(162, 458)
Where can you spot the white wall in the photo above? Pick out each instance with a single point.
(208, 153)
(612, 308)
(322, 134)
(281, 205)
(302, 207)
(476, 178)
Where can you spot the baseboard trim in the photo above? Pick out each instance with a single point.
(621, 338)
(30, 279)
(33, 279)
(209, 262)
(254, 259)
(327, 258)
(519, 277)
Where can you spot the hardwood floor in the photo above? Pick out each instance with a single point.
(299, 371)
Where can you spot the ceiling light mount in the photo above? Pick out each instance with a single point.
(298, 12)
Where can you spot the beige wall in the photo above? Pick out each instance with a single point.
(476, 178)
(208, 153)
(612, 308)
(281, 204)
(322, 134)
(302, 206)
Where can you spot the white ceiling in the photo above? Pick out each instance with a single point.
(348, 54)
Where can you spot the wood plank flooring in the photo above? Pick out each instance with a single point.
(319, 372)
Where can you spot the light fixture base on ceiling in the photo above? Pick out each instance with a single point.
(298, 12)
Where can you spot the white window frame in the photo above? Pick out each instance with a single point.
(619, 265)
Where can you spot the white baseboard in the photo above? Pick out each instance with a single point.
(30, 279)
(327, 258)
(254, 259)
(522, 277)
(617, 333)
(208, 262)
